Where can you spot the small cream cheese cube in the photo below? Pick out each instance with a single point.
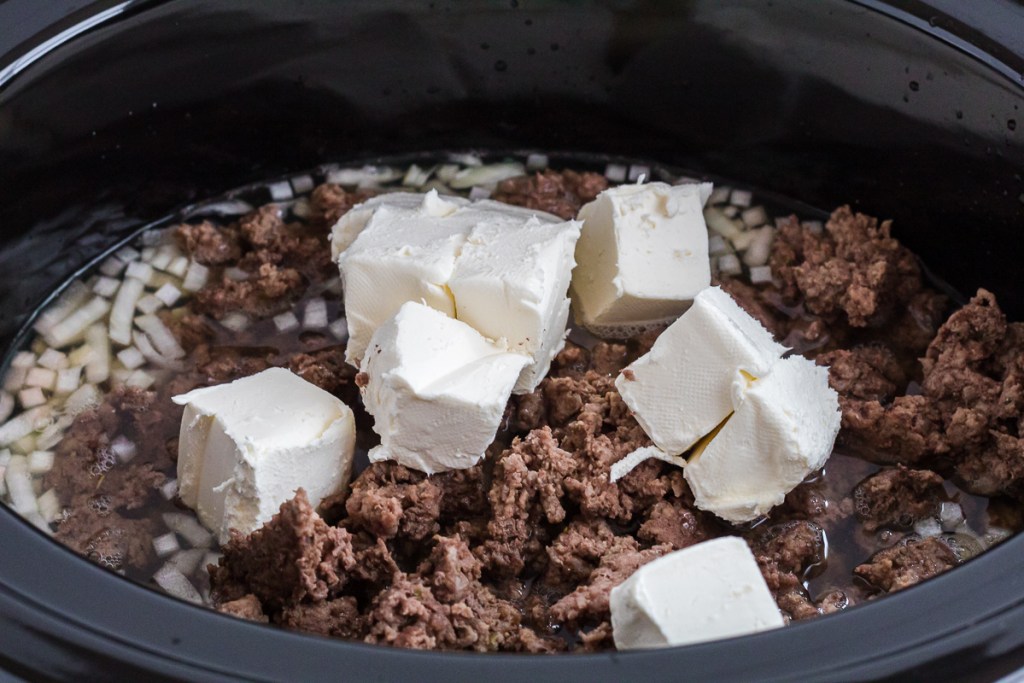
(511, 282)
(642, 257)
(436, 389)
(708, 591)
(246, 446)
(682, 388)
(782, 429)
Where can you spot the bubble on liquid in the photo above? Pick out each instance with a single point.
(101, 505)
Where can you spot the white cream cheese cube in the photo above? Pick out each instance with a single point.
(511, 282)
(782, 429)
(708, 591)
(345, 231)
(436, 389)
(401, 254)
(682, 388)
(245, 447)
(642, 257)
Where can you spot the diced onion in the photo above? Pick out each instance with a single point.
(339, 328)
(228, 207)
(164, 255)
(49, 506)
(166, 544)
(189, 528)
(19, 486)
(23, 359)
(302, 208)
(140, 379)
(152, 355)
(31, 397)
(148, 253)
(302, 184)
(195, 277)
(367, 176)
(6, 405)
(722, 224)
(170, 489)
(70, 299)
(416, 176)
(41, 377)
(536, 162)
(927, 527)
(486, 175)
(131, 357)
(140, 271)
(236, 321)
(187, 561)
(616, 173)
(53, 359)
(280, 191)
(286, 322)
(112, 267)
(15, 378)
(720, 195)
(179, 266)
(951, 515)
(717, 245)
(334, 286)
(236, 274)
(315, 315)
(632, 460)
(754, 217)
(476, 192)
(466, 159)
(123, 310)
(149, 304)
(760, 247)
(80, 355)
(73, 326)
(729, 265)
(638, 172)
(68, 380)
(97, 369)
(40, 462)
(50, 437)
(732, 212)
(127, 254)
(161, 336)
(83, 398)
(741, 198)
(124, 449)
(177, 584)
(168, 294)
(445, 172)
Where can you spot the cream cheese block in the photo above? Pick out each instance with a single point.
(642, 256)
(682, 388)
(245, 447)
(782, 428)
(708, 591)
(436, 389)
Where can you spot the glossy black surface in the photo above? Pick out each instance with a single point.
(167, 102)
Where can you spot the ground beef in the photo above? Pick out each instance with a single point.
(209, 244)
(406, 614)
(270, 290)
(392, 501)
(325, 368)
(330, 202)
(907, 563)
(676, 523)
(785, 552)
(898, 497)
(559, 193)
(854, 271)
(294, 557)
(337, 618)
(869, 373)
(576, 552)
(245, 607)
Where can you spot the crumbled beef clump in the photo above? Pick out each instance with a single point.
(907, 563)
(898, 497)
(560, 193)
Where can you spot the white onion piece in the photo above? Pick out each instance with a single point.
(166, 545)
(140, 379)
(161, 336)
(632, 460)
(416, 176)
(19, 486)
(476, 193)
(139, 271)
(186, 561)
(148, 253)
(124, 449)
(41, 377)
(486, 175)
(168, 294)
(127, 254)
(760, 246)
(112, 267)
(236, 274)
(445, 172)
(80, 355)
(466, 159)
(741, 198)
(742, 240)
(5, 457)
(72, 327)
(638, 172)
(49, 506)
(50, 437)
(228, 207)
(164, 255)
(719, 195)
(152, 355)
(717, 245)
(210, 558)
(40, 462)
(339, 328)
(23, 359)
(951, 515)
(123, 310)
(53, 359)
(149, 304)
(280, 191)
(367, 176)
(536, 162)
(179, 266)
(315, 315)
(31, 397)
(97, 369)
(754, 217)
(927, 527)
(6, 405)
(177, 584)
(235, 321)
(334, 286)
(195, 277)
(189, 528)
(302, 208)
(729, 265)
(733, 212)
(15, 378)
(286, 322)
(438, 185)
(302, 184)
(170, 489)
(131, 357)
(722, 224)
(70, 299)
(616, 173)
(85, 397)
(68, 380)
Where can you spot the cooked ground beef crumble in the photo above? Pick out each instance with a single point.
(520, 552)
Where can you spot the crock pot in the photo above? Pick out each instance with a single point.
(114, 113)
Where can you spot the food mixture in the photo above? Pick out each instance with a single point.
(502, 522)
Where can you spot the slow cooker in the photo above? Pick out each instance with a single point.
(113, 113)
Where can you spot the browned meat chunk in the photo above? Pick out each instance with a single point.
(208, 244)
(907, 564)
(245, 607)
(898, 497)
(560, 193)
(389, 500)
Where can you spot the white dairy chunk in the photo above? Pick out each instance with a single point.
(782, 429)
(505, 270)
(436, 388)
(402, 254)
(245, 447)
(708, 591)
(682, 388)
(642, 257)
(510, 283)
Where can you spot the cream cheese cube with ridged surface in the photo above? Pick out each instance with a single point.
(401, 254)
(436, 389)
(245, 447)
(511, 282)
(682, 388)
(708, 591)
(642, 256)
(783, 427)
